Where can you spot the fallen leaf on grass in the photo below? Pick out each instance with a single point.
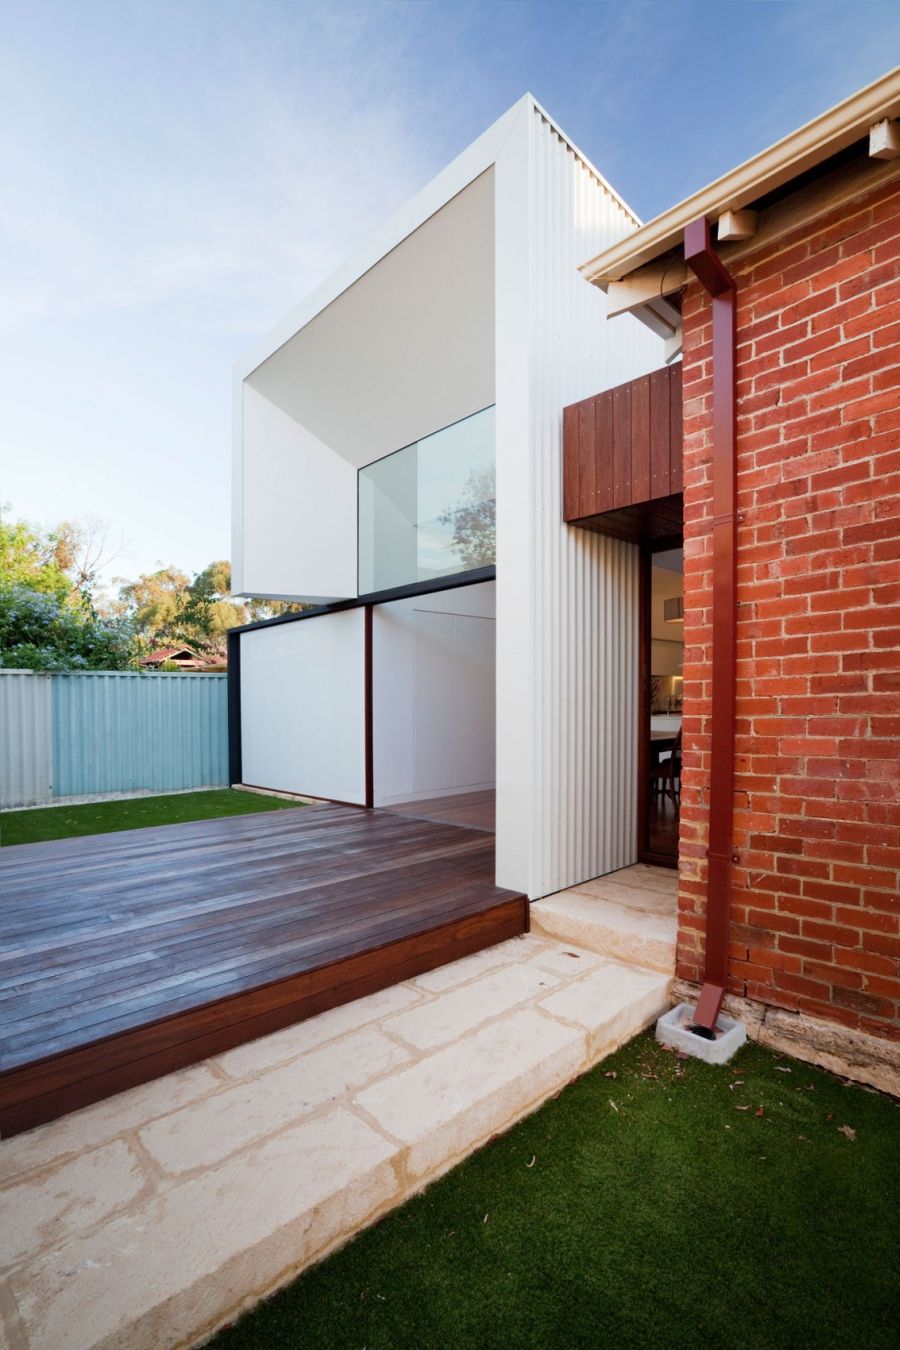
(533, 1161)
(610, 1073)
(682, 1054)
(759, 1111)
(742, 1108)
(782, 1068)
(613, 1105)
(485, 1219)
(847, 1131)
(738, 1082)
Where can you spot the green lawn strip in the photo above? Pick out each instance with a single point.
(656, 1202)
(65, 822)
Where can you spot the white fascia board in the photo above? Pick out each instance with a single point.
(463, 170)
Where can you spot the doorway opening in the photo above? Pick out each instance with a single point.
(660, 702)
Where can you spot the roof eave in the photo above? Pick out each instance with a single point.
(824, 136)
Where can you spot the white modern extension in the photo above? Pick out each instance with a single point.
(397, 462)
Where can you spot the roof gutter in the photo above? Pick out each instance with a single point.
(702, 259)
(834, 130)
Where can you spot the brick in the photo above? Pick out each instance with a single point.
(818, 564)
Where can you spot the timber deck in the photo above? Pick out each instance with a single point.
(128, 955)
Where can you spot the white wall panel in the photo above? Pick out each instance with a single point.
(566, 598)
(433, 694)
(303, 706)
(297, 525)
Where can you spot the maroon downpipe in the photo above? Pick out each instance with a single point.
(706, 266)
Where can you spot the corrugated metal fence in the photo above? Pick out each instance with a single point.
(110, 731)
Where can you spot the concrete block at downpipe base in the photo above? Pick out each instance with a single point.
(673, 1028)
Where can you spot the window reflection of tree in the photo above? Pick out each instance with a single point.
(474, 520)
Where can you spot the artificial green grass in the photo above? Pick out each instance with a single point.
(65, 822)
(656, 1202)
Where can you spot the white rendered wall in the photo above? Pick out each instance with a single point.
(433, 692)
(402, 351)
(298, 509)
(567, 599)
(303, 707)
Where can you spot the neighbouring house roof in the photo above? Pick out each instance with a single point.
(805, 149)
(169, 654)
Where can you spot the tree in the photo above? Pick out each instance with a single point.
(41, 630)
(270, 609)
(154, 603)
(47, 619)
(166, 607)
(82, 548)
(474, 520)
(75, 627)
(209, 608)
(26, 559)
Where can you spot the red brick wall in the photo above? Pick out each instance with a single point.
(816, 917)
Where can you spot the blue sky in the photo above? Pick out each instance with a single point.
(177, 175)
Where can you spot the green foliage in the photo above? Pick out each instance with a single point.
(167, 608)
(209, 609)
(45, 631)
(27, 560)
(154, 603)
(47, 616)
(269, 609)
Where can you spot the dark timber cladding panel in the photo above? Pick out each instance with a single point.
(623, 447)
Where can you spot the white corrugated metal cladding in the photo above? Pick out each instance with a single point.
(580, 608)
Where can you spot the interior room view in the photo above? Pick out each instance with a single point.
(662, 771)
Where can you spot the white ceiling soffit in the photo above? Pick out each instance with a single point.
(809, 145)
(406, 349)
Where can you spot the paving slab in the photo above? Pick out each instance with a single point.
(207, 1131)
(630, 915)
(153, 1218)
(159, 1276)
(447, 1104)
(466, 1007)
(47, 1210)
